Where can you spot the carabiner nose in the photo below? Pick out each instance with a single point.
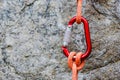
(87, 36)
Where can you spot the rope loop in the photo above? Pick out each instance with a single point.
(75, 63)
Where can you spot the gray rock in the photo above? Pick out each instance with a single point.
(31, 36)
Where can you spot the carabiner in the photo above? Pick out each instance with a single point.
(87, 36)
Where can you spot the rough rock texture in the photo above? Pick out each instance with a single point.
(31, 35)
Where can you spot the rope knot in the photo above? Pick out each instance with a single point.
(75, 63)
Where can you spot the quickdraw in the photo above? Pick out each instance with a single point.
(76, 61)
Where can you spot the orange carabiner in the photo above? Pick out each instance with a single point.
(79, 9)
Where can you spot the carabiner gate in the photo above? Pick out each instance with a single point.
(87, 36)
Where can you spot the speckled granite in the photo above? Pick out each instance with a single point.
(31, 35)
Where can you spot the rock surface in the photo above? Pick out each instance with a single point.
(31, 36)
